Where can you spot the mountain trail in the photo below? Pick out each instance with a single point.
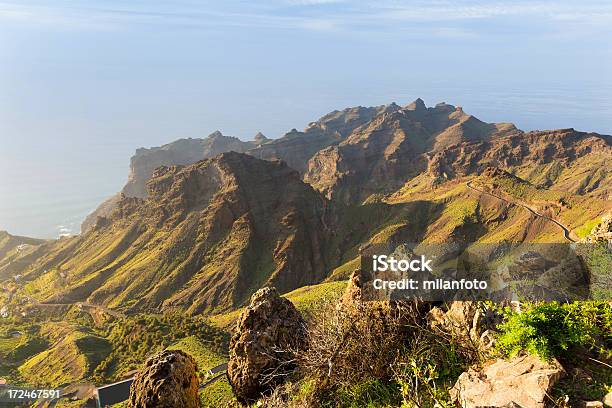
(566, 231)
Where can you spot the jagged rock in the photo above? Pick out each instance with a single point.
(602, 233)
(266, 335)
(417, 105)
(395, 146)
(465, 320)
(167, 380)
(296, 148)
(524, 381)
(179, 152)
(260, 139)
(387, 317)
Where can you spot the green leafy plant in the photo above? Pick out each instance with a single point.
(549, 329)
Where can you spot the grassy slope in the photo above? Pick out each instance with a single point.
(200, 351)
(305, 299)
(70, 359)
(580, 212)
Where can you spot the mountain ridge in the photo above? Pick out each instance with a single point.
(207, 234)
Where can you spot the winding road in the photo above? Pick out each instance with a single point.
(83, 305)
(566, 231)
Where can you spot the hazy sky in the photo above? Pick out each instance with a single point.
(84, 83)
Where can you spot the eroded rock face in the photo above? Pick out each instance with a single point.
(384, 153)
(266, 334)
(179, 152)
(522, 381)
(297, 147)
(167, 380)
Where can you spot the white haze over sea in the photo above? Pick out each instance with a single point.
(83, 83)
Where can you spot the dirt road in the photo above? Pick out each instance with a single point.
(566, 231)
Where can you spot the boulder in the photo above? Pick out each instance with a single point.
(167, 380)
(267, 334)
(522, 381)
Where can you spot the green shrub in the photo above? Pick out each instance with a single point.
(549, 329)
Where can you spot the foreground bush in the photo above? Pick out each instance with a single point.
(550, 329)
(350, 346)
(379, 354)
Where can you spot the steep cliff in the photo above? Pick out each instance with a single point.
(179, 152)
(296, 147)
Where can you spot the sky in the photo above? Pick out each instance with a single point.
(85, 83)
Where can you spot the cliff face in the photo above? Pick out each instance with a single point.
(296, 148)
(180, 152)
(382, 155)
(569, 160)
(207, 236)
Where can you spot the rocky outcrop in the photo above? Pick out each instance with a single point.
(180, 152)
(297, 147)
(553, 151)
(523, 381)
(260, 139)
(602, 233)
(466, 321)
(267, 333)
(167, 380)
(104, 210)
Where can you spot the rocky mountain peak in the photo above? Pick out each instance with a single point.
(260, 138)
(392, 107)
(417, 105)
(215, 134)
